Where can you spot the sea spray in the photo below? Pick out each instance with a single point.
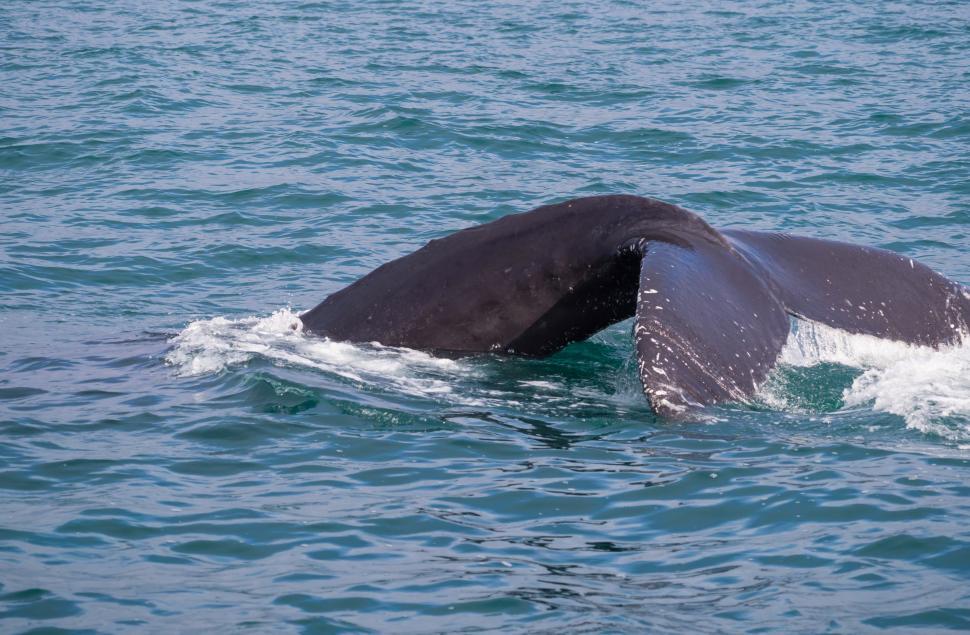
(928, 388)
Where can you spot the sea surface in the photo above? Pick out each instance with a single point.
(179, 180)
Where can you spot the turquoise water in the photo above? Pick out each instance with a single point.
(179, 180)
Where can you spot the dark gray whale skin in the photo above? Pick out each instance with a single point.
(711, 307)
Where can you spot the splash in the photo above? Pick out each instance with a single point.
(210, 346)
(218, 344)
(928, 388)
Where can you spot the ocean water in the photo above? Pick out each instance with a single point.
(178, 181)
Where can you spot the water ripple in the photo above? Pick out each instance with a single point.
(175, 453)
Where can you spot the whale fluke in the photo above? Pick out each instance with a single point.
(708, 327)
(859, 289)
(711, 308)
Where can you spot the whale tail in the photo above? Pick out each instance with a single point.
(711, 307)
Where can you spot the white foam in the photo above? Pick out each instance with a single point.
(210, 346)
(929, 388)
(544, 385)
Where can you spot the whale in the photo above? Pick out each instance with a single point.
(712, 309)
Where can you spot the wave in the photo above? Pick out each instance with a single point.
(928, 388)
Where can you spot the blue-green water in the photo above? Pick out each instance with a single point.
(177, 180)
